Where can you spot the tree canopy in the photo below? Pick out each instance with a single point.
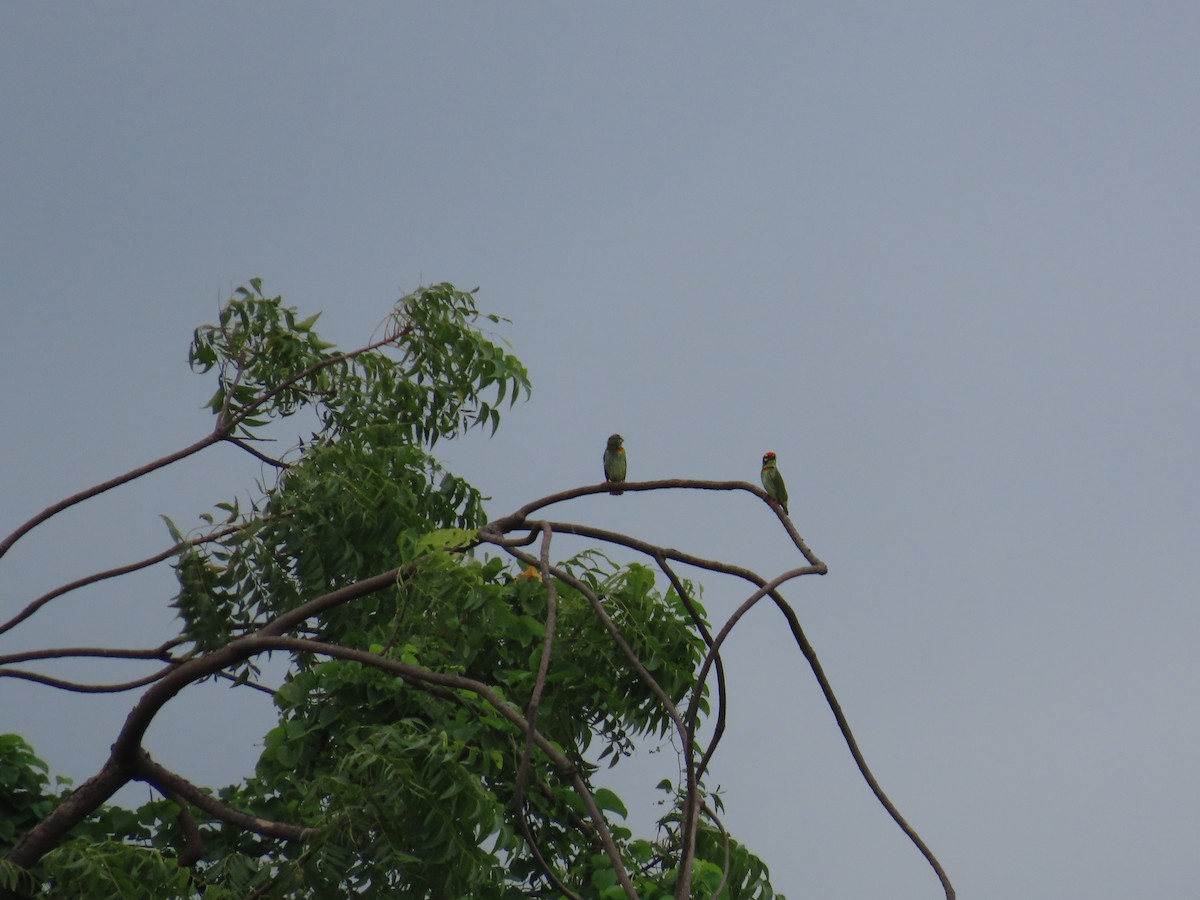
(452, 689)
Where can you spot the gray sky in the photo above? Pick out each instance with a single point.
(940, 258)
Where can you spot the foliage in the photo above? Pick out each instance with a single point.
(400, 764)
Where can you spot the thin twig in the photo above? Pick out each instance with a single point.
(258, 454)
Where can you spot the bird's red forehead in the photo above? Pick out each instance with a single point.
(770, 454)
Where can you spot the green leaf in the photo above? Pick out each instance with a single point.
(445, 539)
(607, 800)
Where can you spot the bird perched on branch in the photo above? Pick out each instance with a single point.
(614, 461)
(772, 481)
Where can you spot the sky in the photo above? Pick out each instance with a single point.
(940, 257)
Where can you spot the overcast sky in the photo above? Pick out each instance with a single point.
(941, 257)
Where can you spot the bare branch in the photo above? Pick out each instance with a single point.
(239, 682)
(859, 760)
(697, 619)
(816, 567)
(543, 863)
(96, 490)
(517, 519)
(224, 428)
(41, 601)
(160, 652)
(81, 688)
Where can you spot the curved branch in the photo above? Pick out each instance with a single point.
(517, 519)
(539, 682)
(816, 567)
(415, 673)
(653, 551)
(258, 454)
(818, 671)
(73, 809)
(543, 669)
(172, 784)
(193, 844)
(531, 712)
(78, 687)
(767, 589)
(224, 428)
(543, 863)
(698, 620)
(41, 601)
(133, 474)
(695, 773)
(117, 770)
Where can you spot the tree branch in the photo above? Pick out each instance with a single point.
(78, 687)
(193, 844)
(719, 729)
(223, 429)
(123, 759)
(539, 683)
(614, 632)
(96, 490)
(160, 652)
(171, 784)
(257, 454)
(41, 601)
(725, 840)
(531, 712)
(459, 682)
(72, 810)
(517, 519)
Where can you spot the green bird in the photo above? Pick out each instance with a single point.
(773, 481)
(614, 461)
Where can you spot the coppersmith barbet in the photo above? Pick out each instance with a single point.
(614, 461)
(772, 481)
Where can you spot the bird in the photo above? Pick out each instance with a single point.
(772, 481)
(614, 461)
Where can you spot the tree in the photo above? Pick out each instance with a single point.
(451, 692)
